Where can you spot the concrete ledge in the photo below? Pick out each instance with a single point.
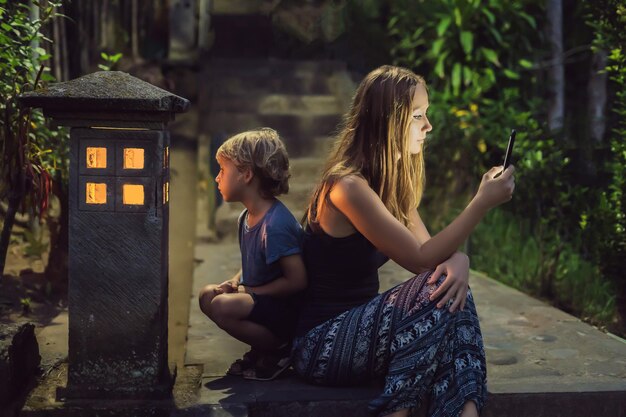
(541, 361)
(557, 404)
(290, 396)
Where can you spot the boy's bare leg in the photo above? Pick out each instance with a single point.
(205, 296)
(229, 312)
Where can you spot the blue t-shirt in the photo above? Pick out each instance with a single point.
(276, 235)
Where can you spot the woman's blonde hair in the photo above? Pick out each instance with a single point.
(373, 143)
(261, 151)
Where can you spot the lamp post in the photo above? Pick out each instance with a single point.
(118, 232)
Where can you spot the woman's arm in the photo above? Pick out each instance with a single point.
(418, 228)
(293, 279)
(456, 269)
(366, 212)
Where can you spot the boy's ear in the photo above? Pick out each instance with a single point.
(248, 175)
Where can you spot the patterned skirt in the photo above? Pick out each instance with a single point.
(420, 352)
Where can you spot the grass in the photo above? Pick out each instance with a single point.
(509, 250)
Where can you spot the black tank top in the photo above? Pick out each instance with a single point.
(342, 274)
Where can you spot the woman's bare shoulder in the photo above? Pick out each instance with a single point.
(350, 187)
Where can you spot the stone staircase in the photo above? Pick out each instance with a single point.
(303, 100)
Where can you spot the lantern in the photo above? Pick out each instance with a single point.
(118, 232)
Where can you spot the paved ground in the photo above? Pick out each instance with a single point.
(537, 355)
(541, 361)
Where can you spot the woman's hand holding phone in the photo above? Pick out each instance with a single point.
(496, 188)
(498, 183)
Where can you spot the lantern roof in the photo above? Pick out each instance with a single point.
(105, 90)
(106, 99)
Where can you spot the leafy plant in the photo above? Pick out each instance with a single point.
(110, 61)
(530, 264)
(25, 303)
(604, 225)
(477, 56)
(33, 156)
(469, 45)
(483, 61)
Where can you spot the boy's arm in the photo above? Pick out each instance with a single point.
(293, 280)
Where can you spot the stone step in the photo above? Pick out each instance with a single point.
(299, 131)
(278, 104)
(282, 67)
(242, 77)
(306, 170)
(238, 7)
(225, 83)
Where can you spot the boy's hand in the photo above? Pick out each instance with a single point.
(227, 287)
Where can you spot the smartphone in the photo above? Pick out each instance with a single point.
(509, 149)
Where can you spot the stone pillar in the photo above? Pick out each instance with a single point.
(118, 232)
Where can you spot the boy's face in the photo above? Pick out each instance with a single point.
(230, 180)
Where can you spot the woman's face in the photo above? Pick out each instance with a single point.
(419, 124)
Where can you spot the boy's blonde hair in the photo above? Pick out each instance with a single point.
(261, 151)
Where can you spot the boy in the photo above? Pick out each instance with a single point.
(259, 304)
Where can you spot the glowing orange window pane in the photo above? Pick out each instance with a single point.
(133, 158)
(96, 157)
(132, 194)
(96, 193)
(166, 157)
(166, 192)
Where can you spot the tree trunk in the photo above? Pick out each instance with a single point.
(204, 25)
(135, 29)
(57, 45)
(65, 60)
(556, 73)
(104, 30)
(7, 227)
(597, 96)
(34, 15)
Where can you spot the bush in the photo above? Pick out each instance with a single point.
(528, 263)
(34, 160)
(482, 61)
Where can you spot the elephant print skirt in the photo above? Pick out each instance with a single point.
(424, 355)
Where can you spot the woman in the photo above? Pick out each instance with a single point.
(422, 337)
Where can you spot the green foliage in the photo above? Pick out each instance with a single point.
(481, 58)
(25, 303)
(508, 248)
(470, 45)
(27, 142)
(474, 54)
(33, 157)
(604, 224)
(35, 245)
(110, 61)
